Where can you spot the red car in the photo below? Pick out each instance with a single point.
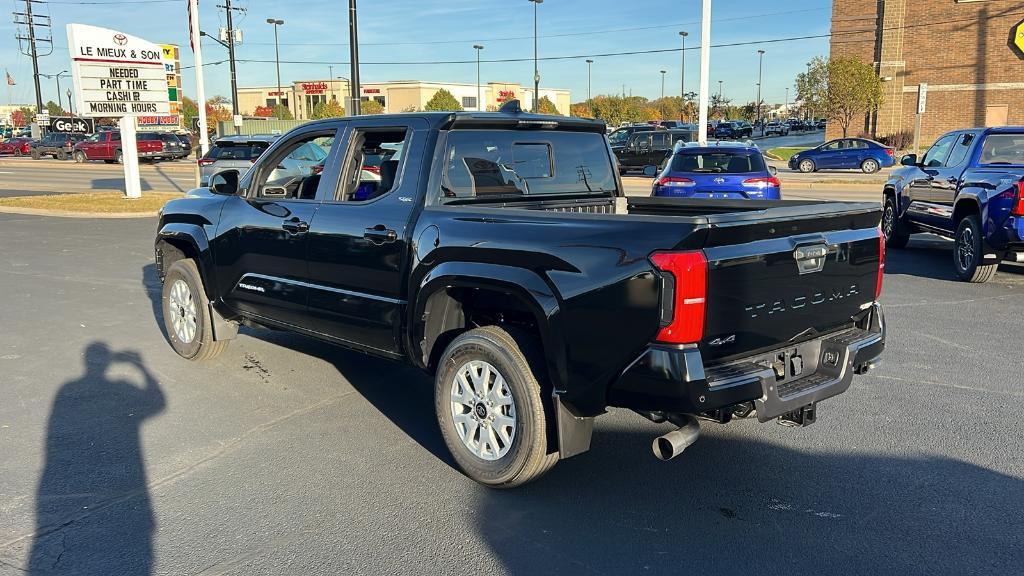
(16, 146)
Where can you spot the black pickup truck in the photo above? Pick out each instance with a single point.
(497, 252)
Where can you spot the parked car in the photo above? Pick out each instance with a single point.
(969, 187)
(821, 124)
(734, 129)
(186, 144)
(649, 148)
(56, 144)
(16, 146)
(867, 155)
(172, 145)
(675, 125)
(106, 146)
(718, 171)
(620, 137)
(232, 152)
(776, 128)
(503, 258)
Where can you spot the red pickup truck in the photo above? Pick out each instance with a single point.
(106, 146)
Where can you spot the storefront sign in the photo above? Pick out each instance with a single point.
(371, 90)
(72, 125)
(314, 87)
(506, 95)
(116, 74)
(171, 120)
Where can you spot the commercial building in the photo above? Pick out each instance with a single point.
(396, 96)
(960, 52)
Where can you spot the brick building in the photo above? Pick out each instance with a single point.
(959, 48)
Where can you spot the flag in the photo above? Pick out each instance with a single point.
(10, 80)
(191, 37)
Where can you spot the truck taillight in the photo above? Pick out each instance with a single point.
(1018, 205)
(686, 287)
(881, 263)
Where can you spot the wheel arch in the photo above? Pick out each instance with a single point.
(965, 206)
(179, 240)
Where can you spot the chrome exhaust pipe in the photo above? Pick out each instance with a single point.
(668, 446)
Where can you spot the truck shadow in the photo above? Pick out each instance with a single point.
(730, 504)
(931, 257)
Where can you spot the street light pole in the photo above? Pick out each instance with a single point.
(277, 58)
(71, 103)
(536, 70)
(663, 84)
(479, 95)
(589, 62)
(682, 76)
(353, 42)
(760, 68)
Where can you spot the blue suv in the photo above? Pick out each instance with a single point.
(867, 155)
(719, 170)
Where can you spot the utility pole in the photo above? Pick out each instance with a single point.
(231, 58)
(682, 77)
(33, 52)
(353, 42)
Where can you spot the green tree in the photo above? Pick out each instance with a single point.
(615, 110)
(546, 106)
(329, 109)
(812, 86)
(282, 112)
(54, 109)
(189, 110)
(854, 89)
(371, 107)
(442, 101)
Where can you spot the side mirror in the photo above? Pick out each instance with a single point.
(909, 160)
(650, 171)
(773, 170)
(225, 183)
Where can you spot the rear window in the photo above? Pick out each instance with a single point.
(718, 162)
(237, 151)
(1003, 149)
(149, 136)
(520, 163)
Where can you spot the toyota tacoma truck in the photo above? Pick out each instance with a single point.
(497, 252)
(969, 187)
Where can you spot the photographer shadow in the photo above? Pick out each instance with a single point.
(93, 512)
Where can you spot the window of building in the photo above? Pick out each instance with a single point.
(313, 99)
(469, 101)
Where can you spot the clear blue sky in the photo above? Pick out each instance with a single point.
(406, 31)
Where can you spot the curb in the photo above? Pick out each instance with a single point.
(185, 166)
(64, 214)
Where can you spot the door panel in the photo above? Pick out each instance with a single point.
(925, 191)
(358, 250)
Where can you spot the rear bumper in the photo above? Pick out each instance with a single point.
(674, 379)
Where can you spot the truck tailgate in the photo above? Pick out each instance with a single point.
(782, 273)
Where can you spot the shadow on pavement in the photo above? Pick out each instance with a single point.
(736, 506)
(93, 514)
(154, 290)
(116, 184)
(929, 257)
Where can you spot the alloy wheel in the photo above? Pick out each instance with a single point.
(182, 308)
(965, 249)
(483, 410)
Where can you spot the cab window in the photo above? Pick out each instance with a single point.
(374, 164)
(297, 168)
(936, 155)
(960, 150)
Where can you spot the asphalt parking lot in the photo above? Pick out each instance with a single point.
(287, 456)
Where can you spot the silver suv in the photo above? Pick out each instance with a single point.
(240, 153)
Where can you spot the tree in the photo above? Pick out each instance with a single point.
(442, 101)
(216, 111)
(615, 110)
(854, 89)
(546, 106)
(189, 110)
(329, 109)
(282, 112)
(581, 110)
(812, 86)
(263, 112)
(54, 109)
(371, 107)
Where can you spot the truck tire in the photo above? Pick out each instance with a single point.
(35, 154)
(491, 408)
(187, 313)
(969, 252)
(896, 235)
(869, 166)
(62, 155)
(806, 166)
(117, 157)
(80, 157)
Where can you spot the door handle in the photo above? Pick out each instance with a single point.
(295, 226)
(380, 234)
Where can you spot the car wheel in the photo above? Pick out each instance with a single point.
(62, 155)
(806, 166)
(80, 157)
(490, 407)
(35, 155)
(896, 235)
(187, 313)
(869, 166)
(18, 152)
(117, 157)
(969, 252)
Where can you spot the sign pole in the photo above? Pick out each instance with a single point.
(705, 73)
(922, 102)
(204, 141)
(130, 158)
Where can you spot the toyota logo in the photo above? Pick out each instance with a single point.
(120, 39)
(719, 180)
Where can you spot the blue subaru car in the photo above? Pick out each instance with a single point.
(867, 155)
(722, 170)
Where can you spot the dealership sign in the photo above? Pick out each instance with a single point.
(73, 125)
(1017, 39)
(116, 74)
